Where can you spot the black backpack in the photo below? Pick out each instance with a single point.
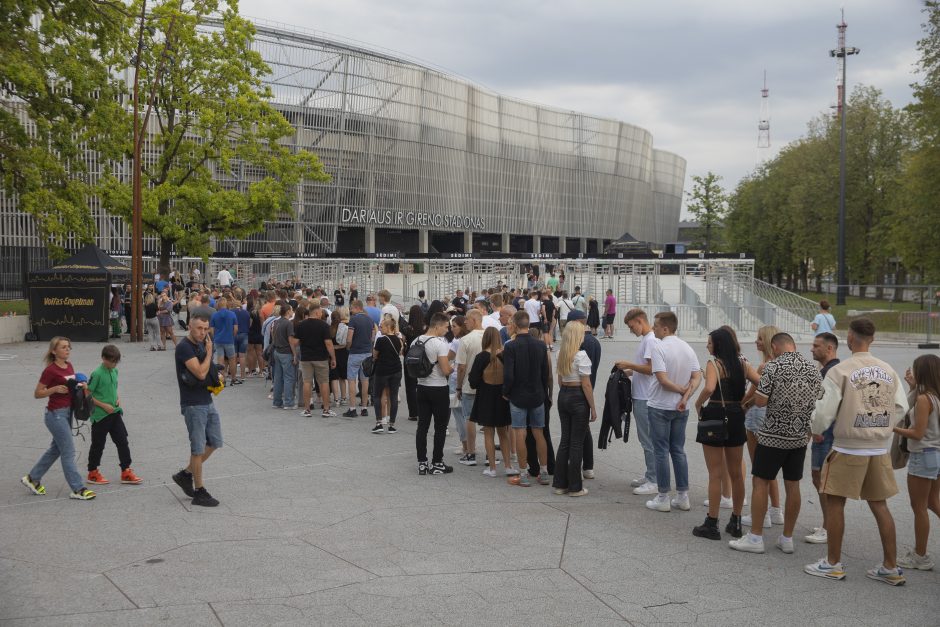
(417, 363)
(82, 404)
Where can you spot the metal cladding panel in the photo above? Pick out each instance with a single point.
(400, 137)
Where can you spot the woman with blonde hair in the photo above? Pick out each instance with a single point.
(753, 420)
(490, 409)
(151, 324)
(338, 331)
(575, 408)
(165, 318)
(55, 384)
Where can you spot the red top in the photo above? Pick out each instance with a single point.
(52, 376)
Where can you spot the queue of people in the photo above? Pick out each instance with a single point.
(489, 361)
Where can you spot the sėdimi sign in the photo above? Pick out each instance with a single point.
(390, 218)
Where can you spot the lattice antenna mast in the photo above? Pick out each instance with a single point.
(763, 124)
(840, 67)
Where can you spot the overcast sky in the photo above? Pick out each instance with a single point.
(689, 71)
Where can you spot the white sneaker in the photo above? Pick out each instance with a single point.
(725, 503)
(660, 503)
(588, 474)
(681, 501)
(636, 483)
(746, 521)
(819, 536)
(512, 471)
(489, 472)
(916, 562)
(776, 515)
(784, 544)
(646, 489)
(749, 543)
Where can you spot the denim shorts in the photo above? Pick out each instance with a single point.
(202, 422)
(925, 463)
(821, 449)
(354, 366)
(241, 344)
(523, 417)
(228, 350)
(754, 418)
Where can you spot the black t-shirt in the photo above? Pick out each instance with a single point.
(461, 304)
(549, 310)
(312, 334)
(150, 311)
(339, 298)
(190, 395)
(389, 350)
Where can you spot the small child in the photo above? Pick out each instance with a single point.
(107, 418)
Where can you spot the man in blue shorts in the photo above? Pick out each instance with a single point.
(359, 342)
(224, 328)
(193, 359)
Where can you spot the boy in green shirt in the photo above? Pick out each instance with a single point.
(107, 418)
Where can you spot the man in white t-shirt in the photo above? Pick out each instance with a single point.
(388, 309)
(470, 346)
(579, 301)
(533, 307)
(676, 374)
(434, 398)
(642, 380)
(225, 277)
(492, 320)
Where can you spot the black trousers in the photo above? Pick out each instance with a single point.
(587, 451)
(411, 394)
(574, 413)
(113, 425)
(391, 382)
(433, 402)
(532, 452)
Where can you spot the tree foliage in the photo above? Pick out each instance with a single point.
(211, 115)
(58, 98)
(708, 206)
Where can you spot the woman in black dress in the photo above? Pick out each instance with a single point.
(415, 328)
(386, 354)
(594, 316)
(490, 409)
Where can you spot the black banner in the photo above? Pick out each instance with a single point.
(79, 313)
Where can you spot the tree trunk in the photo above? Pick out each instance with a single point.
(166, 247)
(819, 287)
(900, 278)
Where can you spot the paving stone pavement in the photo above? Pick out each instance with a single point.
(323, 523)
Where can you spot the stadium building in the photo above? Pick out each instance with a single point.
(424, 161)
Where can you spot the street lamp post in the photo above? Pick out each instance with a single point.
(842, 53)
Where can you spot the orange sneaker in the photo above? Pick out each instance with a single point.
(128, 476)
(97, 478)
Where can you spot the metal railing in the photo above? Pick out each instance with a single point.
(800, 307)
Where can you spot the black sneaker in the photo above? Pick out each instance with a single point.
(351, 413)
(734, 527)
(185, 481)
(203, 498)
(440, 468)
(708, 529)
(423, 468)
(364, 412)
(470, 459)
(378, 428)
(413, 418)
(391, 429)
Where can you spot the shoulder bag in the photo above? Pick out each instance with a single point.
(713, 423)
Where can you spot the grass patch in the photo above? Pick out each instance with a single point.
(19, 307)
(886, 320)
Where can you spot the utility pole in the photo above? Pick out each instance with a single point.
(841, 53)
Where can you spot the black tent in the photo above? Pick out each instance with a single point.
(72, 298)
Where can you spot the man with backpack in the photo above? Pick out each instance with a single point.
(426, 361)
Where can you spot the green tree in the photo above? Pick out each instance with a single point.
(211, 116)
(59, 98)
(708, 205)
(916, 224)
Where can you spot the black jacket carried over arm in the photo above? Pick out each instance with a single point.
(618, 407)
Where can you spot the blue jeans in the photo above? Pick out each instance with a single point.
(523, 417)
(284, 371)
(466, 401)
(59, 423)
(667, 430)
(642, 421)
(460, 420)
(203, 426)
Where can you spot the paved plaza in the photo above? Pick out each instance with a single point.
(323, 523)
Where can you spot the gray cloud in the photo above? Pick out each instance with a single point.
(688, 71)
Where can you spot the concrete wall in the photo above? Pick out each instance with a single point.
(13, 328)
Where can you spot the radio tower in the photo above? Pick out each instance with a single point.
(763, 125)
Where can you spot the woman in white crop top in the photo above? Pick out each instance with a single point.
(923, 467)
(575, 407)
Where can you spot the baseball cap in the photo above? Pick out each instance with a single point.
(576, 315)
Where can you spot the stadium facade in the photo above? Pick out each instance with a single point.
(426, 161)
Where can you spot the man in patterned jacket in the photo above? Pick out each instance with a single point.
(788, 389)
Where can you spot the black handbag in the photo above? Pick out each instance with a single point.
(713, 423)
